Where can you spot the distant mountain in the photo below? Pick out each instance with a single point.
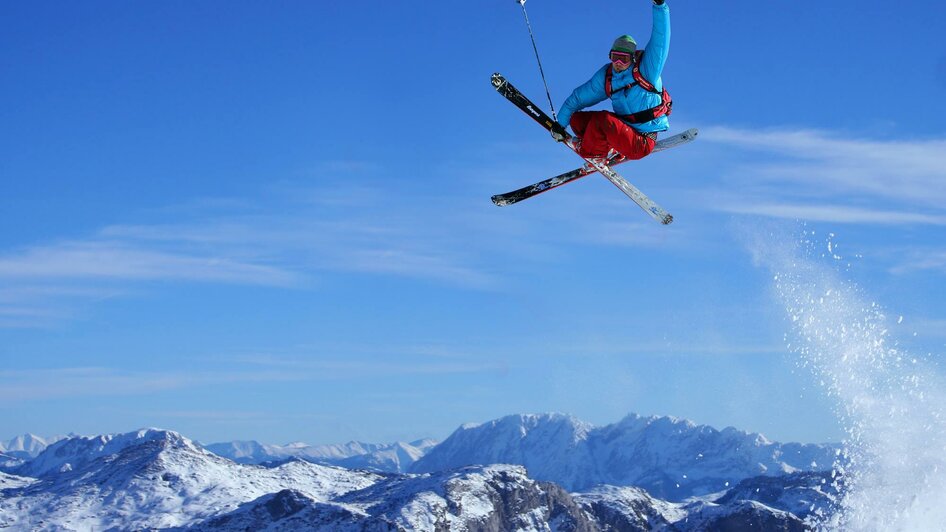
(152, 479)
(390, 458)
(27, 446)
(76, 452)
(671, 458)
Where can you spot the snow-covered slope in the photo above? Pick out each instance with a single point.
(802, 494)
(480, 498)
(392, 458)
(671, 458)
(153, 479)
(9, 462)
(13, 481)
(500, 497)
(791, 502)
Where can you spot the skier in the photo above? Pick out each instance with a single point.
(641, 104)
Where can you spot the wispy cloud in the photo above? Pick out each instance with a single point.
(820, 175)
(920, 260)
(126, 261)
(57, 383)
(833, 213)
(290, 238)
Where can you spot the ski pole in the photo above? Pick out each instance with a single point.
(539, 61)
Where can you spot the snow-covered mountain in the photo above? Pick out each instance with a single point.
(792, 502)
(479, 498)
(161, 480)
(152, 479)
(13, 481)
(391, 458)
(671, 458)
(27, 446)
(157, 479)
(9, 462)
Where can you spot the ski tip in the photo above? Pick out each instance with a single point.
(667, 219)
(497, 79)
(691, 133)
(499, 202)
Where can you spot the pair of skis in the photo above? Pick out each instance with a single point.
(591, 165)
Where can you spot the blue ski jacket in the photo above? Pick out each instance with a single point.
(629, 101)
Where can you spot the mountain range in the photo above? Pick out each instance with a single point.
(671, 458)
(390, 458)
(158, 479)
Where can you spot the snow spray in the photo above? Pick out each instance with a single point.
(891, 474)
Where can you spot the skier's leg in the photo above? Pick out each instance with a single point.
(589, 125)
(579, 122)
(625, 139)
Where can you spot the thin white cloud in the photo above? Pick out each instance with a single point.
(58, 383)
(833, 213)
(413, 264)
(905, 170)
(922, 261)
(819, 175)
(292, 238)
(113, 260)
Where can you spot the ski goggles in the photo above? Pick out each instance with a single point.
(621, 58)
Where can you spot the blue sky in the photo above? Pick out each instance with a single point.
(239, 220)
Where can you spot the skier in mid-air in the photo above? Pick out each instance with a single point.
(641, 104)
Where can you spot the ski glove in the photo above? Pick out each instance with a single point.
(559, 136)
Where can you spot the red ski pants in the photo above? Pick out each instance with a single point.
(601, 130)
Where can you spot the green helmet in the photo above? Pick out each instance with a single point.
(625, 43)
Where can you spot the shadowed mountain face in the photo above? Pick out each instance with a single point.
(670, 458)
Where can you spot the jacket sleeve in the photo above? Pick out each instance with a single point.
(655, 54)
(586, 95)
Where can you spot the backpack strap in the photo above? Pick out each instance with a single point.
(666, 102)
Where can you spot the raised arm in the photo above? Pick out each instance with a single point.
(655, 54)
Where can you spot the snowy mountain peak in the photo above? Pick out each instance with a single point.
(27, 442)
(151, 479)
(670, 457)
(536, 426)
(76, 452)
(26, 446)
